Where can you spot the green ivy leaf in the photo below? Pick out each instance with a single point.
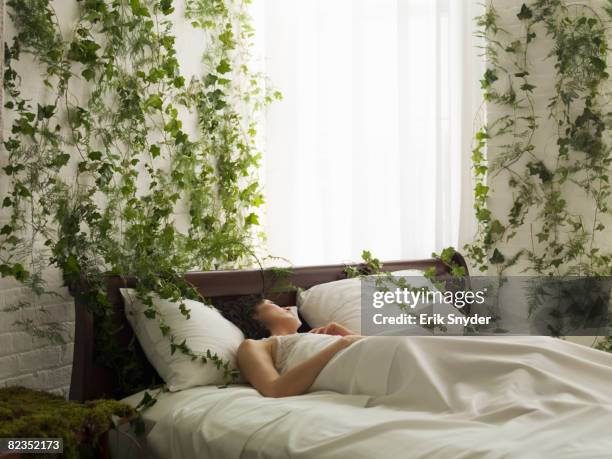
(138, 9)
(227, 37)
(539, 169)
(224, 66)
(497, 257)
(166, 7)
(210, 79)
(21, 190)
(45, 111)
(490, 77)
(556, 262)
(447, 255)
(61, 160)
(95, 155)
(19, 272)
(481, 190)
(252, 219)
(525, 13)
(71, 265)
(599, 64)
(531, 36)
(496, 227)
(483, 215)
(12, 169)
(154, 101)
(430, 273)
(88, 73)
(527, 87)
(84, 51)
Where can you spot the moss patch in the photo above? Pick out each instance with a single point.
(28, 413)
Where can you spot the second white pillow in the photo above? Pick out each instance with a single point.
(340, 301)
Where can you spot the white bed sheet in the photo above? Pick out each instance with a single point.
(237, 422)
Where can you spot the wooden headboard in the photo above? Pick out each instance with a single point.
(91, 380)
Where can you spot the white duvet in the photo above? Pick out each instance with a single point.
(413, 397)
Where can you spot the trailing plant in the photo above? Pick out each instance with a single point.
(371, 265)
(128, 167)
(562, 236)
(560, 186)
(386, 281)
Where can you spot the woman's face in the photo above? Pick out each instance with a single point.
(275, 317)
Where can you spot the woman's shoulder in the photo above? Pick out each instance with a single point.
(254, 344)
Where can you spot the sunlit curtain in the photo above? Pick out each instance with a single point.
(369, 149)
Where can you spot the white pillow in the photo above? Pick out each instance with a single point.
(340, 301)
(206, 329)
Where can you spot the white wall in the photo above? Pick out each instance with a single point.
(25, 360)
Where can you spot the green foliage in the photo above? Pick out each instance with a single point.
(26, 413)
(99, 178)
(447, 256)
(373, 266)
(278, 280)
(564, 240)
(543, 180)
(370, 265)
(605, 344)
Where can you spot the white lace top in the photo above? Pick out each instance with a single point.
(291, 350)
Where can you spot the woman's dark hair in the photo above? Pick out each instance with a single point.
(241, 312)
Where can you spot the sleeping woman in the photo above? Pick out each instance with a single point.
(267, 363)
(501, 376)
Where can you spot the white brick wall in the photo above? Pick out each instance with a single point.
(25, 359)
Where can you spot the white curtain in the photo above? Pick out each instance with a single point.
(369, 149)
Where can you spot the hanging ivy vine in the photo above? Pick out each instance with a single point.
(123, 149)
(560, 186)
(563, 239)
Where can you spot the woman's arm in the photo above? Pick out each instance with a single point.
(257, 366)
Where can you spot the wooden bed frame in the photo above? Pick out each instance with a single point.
(91, 381)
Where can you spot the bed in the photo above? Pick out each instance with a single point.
(561, 419)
